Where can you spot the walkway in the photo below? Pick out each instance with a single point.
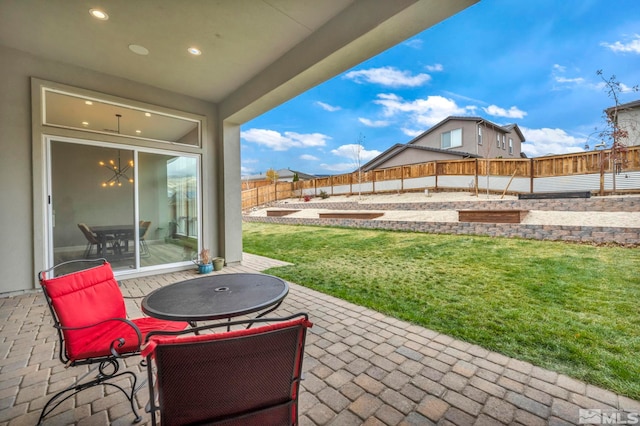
(362, 368)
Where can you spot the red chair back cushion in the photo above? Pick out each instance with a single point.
(83, 298)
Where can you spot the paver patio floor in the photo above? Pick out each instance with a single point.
(361, 367)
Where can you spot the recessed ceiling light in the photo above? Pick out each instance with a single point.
(85, 123)
(99, 14)
(88, 102)
(138, 131)
(147, 114)
(194, 51)
(138, 50)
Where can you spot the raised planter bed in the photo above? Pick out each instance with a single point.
(554, 195)
(492, 216)
(280, 212)
(350, 215)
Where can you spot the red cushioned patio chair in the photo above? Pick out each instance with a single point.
(240, 377)
(89, 313)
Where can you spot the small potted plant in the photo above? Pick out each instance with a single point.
(218, 263)
(203, 261)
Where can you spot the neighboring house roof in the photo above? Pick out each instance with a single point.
(627, 106)
(283, 174)
(506, 129)
(398, 148)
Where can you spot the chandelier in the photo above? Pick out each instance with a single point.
(119, 172)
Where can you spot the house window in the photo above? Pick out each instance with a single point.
(479, 135)
(498, 140)
(510, 146)
(451, 139)
(504, 138)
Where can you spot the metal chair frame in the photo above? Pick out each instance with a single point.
(107, 366)
(153, 406)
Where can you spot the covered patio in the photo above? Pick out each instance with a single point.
(361, 367)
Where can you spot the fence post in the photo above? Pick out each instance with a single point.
(373, 181)
(601, 172)
(477, 182)
(532, 174)
(351, 184)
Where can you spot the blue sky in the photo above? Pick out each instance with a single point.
(529, 62)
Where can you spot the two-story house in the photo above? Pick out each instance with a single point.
(628, 118)
(454, 138)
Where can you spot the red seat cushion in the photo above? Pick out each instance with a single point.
(89, 297)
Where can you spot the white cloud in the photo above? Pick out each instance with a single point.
(631, 46)
(496, 111)
(339, 167)
(559, 77)
(625, 89)
(353, 151)
(559, 68)
(565, 80)
(412, 132)
(283, 142)
(328, 107)
(372, 123)
(308, 157)
(547, 141)
(415, 43)
(388, 76)
(421, 112)
(435, 68)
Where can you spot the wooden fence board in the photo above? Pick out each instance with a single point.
(575, 166)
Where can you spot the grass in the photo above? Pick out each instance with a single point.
(570, 308)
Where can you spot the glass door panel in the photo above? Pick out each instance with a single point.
(92, 204)
(168, 205)
(95, 192)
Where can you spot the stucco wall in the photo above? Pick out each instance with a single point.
(488, 149)
(433, 139)
(16, 186)
(629, 120)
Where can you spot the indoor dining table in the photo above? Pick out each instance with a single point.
(120, 234)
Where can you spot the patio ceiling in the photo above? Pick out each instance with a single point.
(251, 49)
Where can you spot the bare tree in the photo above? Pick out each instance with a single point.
(356, 156)
(614, 134)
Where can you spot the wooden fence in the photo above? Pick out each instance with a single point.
(601, 172)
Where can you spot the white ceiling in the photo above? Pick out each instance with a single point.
(238, 38)
(250, 47)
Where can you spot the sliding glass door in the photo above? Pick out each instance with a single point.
(169, 205)
(138, 209)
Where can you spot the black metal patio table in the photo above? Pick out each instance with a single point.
(214, 297)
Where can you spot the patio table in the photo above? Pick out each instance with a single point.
(214, 297)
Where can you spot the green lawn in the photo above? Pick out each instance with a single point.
(570, 308)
